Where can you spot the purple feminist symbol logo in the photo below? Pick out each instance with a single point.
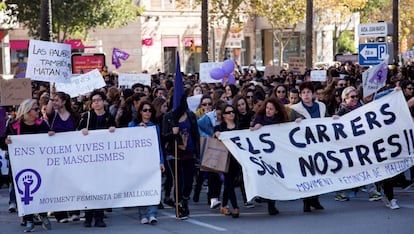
(380, 75)
(28, 181)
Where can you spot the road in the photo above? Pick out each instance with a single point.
(355, 216)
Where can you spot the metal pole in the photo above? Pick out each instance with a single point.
(395, 35)
(46, 20)
(204, 31)
(309, 33)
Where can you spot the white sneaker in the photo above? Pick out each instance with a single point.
(74, 218)
(214, 203)
(12, 207)
(394, 205)
(144, 221)
(153, 220)
(386, 201)
(64, 220)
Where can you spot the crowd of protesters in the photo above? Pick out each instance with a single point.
(252, 102)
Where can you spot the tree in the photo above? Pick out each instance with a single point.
(381, 10)
(346, 43)
(283, 16)
(75, 17)
(336, 13)
(223, 13)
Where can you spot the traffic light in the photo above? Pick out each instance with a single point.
(192, 46)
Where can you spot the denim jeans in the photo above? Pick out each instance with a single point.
(147, 211)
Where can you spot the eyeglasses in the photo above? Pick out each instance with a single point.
(207, 104)
(229, 112)
(341, 85)
(411, 89)
(354, 96)
(35, 109)
(97, 100)
(281, 91)
(249, 96)
(146, 110)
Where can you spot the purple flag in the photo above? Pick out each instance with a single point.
(380, 75)
(178, 84)
(117, 55)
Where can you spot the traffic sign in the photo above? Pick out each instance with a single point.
(381, 29)
(373, 53)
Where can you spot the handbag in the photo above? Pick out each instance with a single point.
(214, 155)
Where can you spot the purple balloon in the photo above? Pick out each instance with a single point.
(217, 73)
(229, 80)
(228, 66)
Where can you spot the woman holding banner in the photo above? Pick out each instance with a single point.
(27, 122)
(62, 118)
(96, 118)
(228, 115)
(146, 117)
(309, 108)
(271, 112)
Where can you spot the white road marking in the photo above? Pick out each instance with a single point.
(193, 221)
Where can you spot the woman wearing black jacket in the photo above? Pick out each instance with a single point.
(27, 122)
(96, 118)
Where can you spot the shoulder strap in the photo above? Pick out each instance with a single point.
(89, 118)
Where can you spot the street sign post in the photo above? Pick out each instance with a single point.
(374, 53)
(380, 29)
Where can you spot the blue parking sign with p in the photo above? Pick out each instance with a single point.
(371, 54)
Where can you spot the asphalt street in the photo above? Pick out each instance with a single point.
(355, 216)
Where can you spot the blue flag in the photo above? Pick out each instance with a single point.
(178, 84)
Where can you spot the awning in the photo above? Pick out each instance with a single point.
(19, 44)
(77, 44)
(187, 41)
(170, 41)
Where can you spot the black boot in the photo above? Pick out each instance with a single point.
(99, 216)
(271, 207)
(88, 219)
(306, 205)
(315, 203)
(185, 207)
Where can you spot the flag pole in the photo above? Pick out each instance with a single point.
(178, 93)
(177, 216)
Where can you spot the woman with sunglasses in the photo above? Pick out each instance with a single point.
(205, 106)
(228, 124)
(271, 112)
(145, 118)
(351, 101)
(27, 121)
(280, 92)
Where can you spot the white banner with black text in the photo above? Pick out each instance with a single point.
(70, 171)
(316, 156)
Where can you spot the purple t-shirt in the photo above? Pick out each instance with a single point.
(58, 125)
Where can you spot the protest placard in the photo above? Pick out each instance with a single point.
(49, 61)
(318, 75)
(82, 84)
(271, 70)
(374, 78)
(193, 102)
(14, 91)
(126, 80)
(297, 64)
(99, 170)
(321, 155)
(205, 69)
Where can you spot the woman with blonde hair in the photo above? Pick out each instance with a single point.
(27, 122)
